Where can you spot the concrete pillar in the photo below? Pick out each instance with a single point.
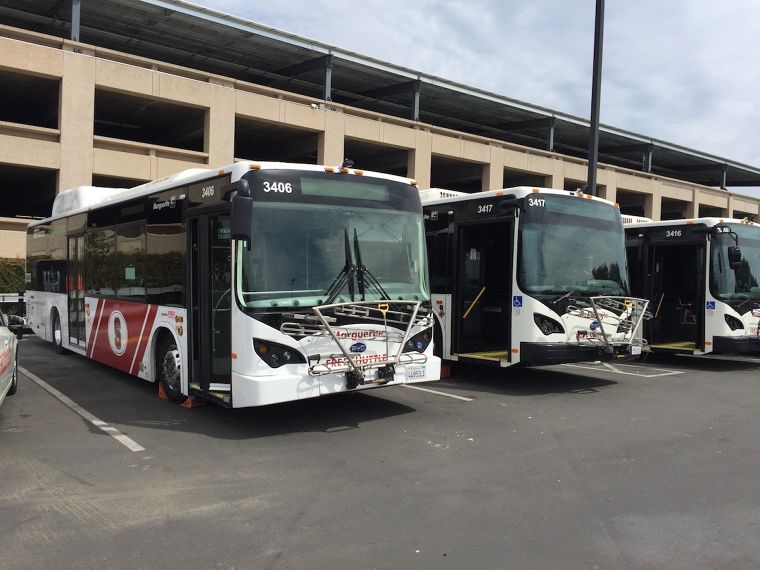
(77, 120)
(330, 145)
(219, 127)
(556, 179)
(653, 206)
(692, 208)
(608, 180)
(420, 160)
(493, 172)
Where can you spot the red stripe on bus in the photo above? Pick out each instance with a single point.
(94, 328)
(124, 338)
(142, 343)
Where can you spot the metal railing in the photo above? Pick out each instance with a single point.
(389, 322)
(623, 314)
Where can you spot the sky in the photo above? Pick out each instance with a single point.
(684, 71)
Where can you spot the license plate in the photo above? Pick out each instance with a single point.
(635, 350)
(415, 372)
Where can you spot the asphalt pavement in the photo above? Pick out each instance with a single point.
(652, 465)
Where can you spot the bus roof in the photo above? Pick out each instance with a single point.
(709, 222)
(434, 196)
(85, 198)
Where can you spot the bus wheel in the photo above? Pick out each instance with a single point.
(58, 334)
(168, 362)
(14, 380)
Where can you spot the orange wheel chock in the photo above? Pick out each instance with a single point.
(190, 402)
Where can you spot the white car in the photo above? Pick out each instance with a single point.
(9, 331)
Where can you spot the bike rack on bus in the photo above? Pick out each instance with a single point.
(623, 313)
(401, 315)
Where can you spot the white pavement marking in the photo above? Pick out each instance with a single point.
(611, 368)
(100, 424)
(438, 392)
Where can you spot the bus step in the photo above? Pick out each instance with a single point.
(220, 398)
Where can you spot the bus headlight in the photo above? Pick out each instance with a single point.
(733, 323)
(275, 355)
(546, 325)
(419, 342)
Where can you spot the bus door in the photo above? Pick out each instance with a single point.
(482, 306)
(75, 290)
(676, 281)
(210, 278)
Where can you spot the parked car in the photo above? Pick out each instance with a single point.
(9, 334)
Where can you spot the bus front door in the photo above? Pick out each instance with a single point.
(75, 291)
(482, 318)
(676, 274)
(211, 302)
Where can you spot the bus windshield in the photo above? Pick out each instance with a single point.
(302, 241)
(740, 282)
(570, 245)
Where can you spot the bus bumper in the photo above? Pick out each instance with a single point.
(736, 344)
(250, 391)
(547, 353)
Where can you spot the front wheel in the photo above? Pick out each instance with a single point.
(169, 365)
(58, 334)
(14, 379)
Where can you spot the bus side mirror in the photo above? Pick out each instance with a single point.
(242, 211)
(734, 256)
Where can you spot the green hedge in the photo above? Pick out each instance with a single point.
(11, 275)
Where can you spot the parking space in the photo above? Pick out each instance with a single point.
(644, 465)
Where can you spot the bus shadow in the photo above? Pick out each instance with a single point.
(328, 414)
(707, 364)
(123, 400)
(523, 381)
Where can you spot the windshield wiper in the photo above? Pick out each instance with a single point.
(364, 275)
(346, 275)
(565, 296)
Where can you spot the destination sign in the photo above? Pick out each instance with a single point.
(208, 191)
(672, 233)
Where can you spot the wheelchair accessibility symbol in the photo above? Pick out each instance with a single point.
(710, 305)
(517, 301)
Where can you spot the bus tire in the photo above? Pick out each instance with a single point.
(58, 333)
(14, 380)
(168, 368)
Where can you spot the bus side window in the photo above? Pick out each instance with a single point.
(130, 261)
(99, 266)
(165, 263)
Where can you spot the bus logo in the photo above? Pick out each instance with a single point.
(117, 333)
(358, 347)
(594, 325)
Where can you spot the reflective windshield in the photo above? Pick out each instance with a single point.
(571, 245)
(298, 251)
(740, 282)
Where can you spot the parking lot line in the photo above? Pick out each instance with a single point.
(438, 392)
(129, 443)
(609, 367)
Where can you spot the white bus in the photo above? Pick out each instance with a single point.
(248, 285)
(702, 276)
(529, 276)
